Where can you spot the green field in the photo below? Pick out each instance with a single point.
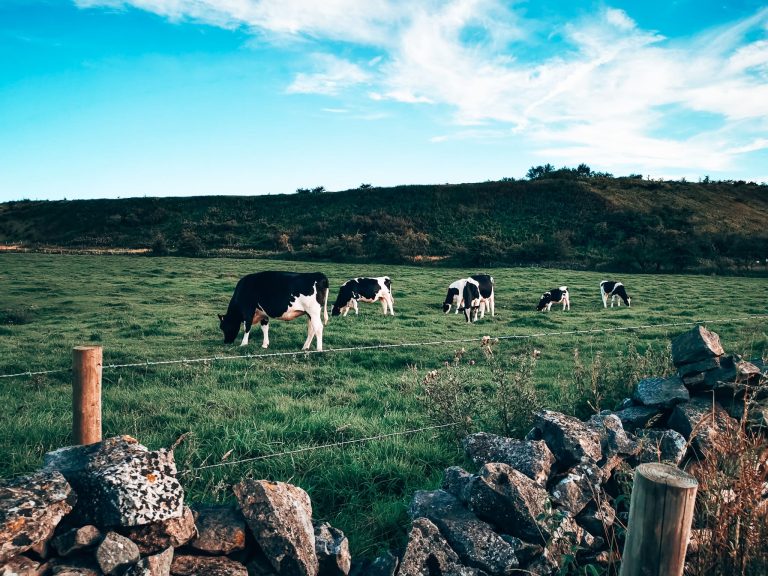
(143, 309)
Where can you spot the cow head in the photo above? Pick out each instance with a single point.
(546, 298)
(230, 326)
(450, 299)
(346, 293)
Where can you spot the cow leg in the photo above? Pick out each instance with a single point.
(314, 329)
(354, 305)
(383, 301)
(605, 299)
(391, 302)
(492, 304)
(246, 333)
(265, 332)
(482, 309)
(310, 334)
(346, 310)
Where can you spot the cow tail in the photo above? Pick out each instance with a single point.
(325, 305)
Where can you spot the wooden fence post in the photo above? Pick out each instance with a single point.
(660, 515)
(86, 394)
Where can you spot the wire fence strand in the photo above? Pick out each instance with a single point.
(319, 447)
(217, 358)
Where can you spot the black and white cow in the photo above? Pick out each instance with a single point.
(455, 296)
(470, 296)
(364, 290)
(555, 296)
(282, 295)
(614, 290)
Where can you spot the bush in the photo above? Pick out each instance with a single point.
(160, 246)
(190, 245)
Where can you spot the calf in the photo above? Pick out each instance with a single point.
(555, 296)
(364, 290)
(282, 295)
(455, 296)
(616, 291)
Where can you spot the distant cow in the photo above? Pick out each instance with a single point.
(282, 295)
(364, 290)
(455, 296)
(555, 296)
(614, 290)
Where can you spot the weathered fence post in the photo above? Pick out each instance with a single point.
(660, 515)
(86, 394)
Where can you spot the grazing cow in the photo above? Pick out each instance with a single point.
(616, 291)
(471, 298)
(364, 290)
(555, 296)
(455, 296)
(282, 295)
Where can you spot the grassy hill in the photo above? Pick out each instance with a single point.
(556, 220)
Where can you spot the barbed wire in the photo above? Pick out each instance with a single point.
(217, 358)
(319, 447)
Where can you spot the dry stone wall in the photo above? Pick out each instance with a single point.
(116, 508)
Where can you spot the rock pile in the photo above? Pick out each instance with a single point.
(535, 502)
(116, 508)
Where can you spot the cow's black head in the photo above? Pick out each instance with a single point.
(449, 299)
(346, 294)
(230, 326)
(546, 298)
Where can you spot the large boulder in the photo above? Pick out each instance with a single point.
(661, 393)
(30, 509)
(569, 439)
(456, 481)
(695, 345)
(332, 549)
(156, 537)
(280, 518)
(220, 530)
(614, 440)
(428, 553)
(532, 457)
(475, 541)
(597, 518)
(510, 501)
(119, 482)
(22, 566)
(155, 565)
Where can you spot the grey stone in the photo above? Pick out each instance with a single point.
(332, 549)
(578, 488)
(566, 536)
(524, 551)
(116, 553)
(74, 566)
(155, 537)
(472, 539)
(155, 565)
(533, 458)
(30, 509)
(186, 565)
(455, 482)
(661, 392)
(695, 345)
(701, 366)
(661, 446)
(384, 565)
(613, 438)
(510, 501)
(569, 439)
(638, 417)
(76, 539)
(280, 518)
(700, 421)
(220, 530)
(754, 414)
(119, 482)
(258, 565)
(428, 553)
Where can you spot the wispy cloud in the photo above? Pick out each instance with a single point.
(606, 92)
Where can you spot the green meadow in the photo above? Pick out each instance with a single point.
(144, 310)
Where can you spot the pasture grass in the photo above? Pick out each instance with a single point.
(143, 309)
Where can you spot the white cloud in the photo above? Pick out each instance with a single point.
(334, 75)
(606, 93)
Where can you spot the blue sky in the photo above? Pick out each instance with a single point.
(121, 98)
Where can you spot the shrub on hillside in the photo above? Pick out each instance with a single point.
(160, 246)
(190, 244)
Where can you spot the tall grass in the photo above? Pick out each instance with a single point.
(152, 309)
